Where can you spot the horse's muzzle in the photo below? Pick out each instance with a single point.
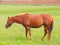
(6, 26)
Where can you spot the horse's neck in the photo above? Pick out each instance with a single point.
(17, 19)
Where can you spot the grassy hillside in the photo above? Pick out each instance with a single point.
(15, 35)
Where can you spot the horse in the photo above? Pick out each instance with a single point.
(33, 21)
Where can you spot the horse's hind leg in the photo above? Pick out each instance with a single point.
(45, 32)
(49, 35)
(49, 31)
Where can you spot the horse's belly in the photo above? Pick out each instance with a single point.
(36, 25)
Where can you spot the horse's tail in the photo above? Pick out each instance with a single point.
(51, 27)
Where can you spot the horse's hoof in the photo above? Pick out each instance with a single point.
(26, 38)
(31, 38)
(41, 39)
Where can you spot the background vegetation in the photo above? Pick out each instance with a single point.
(15, 35)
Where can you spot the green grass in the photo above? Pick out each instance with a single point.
(15, 35)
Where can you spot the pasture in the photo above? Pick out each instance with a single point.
(15, 35)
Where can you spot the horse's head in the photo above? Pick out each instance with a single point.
(9, 22)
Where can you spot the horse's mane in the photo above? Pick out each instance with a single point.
(20, 15)
(23, 14)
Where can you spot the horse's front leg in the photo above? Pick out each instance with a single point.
(30, 35)
(28, 31)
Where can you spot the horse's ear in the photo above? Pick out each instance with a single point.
(8, 17)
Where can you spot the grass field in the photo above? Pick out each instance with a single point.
(15, 35)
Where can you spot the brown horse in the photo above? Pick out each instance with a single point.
(33, 21)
